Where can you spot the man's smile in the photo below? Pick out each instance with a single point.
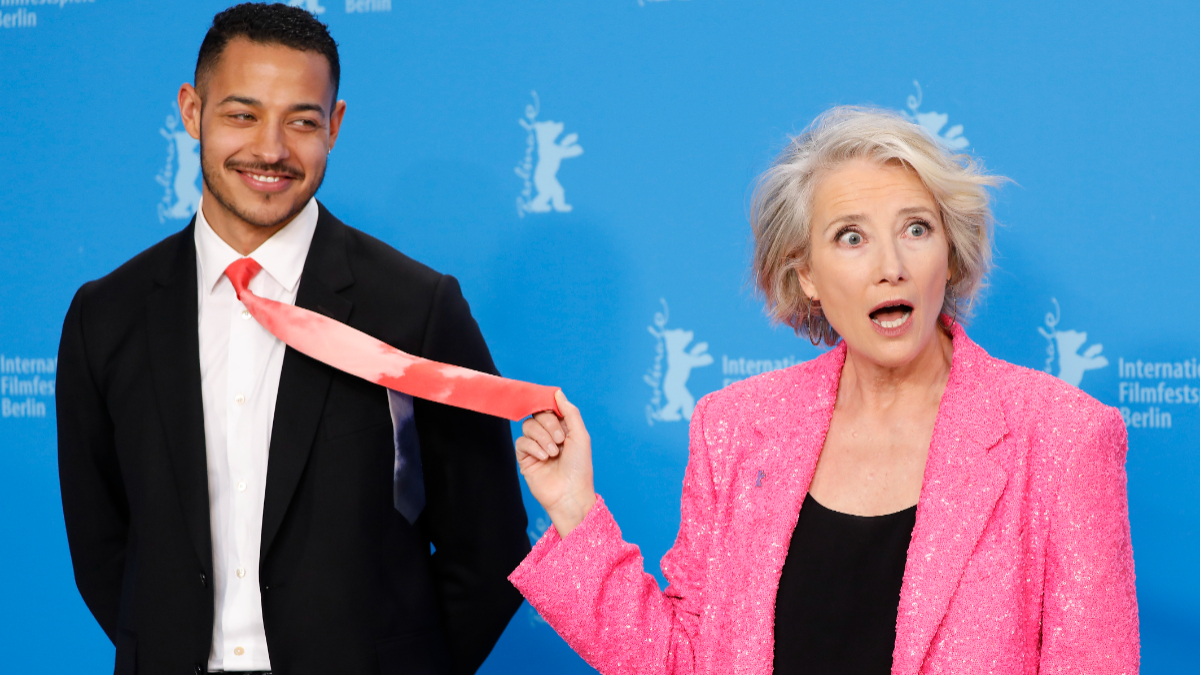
(266, 181)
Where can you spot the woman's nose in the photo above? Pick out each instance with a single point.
(890, 263)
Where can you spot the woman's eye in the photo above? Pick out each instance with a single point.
(918, 229)
(851, 238)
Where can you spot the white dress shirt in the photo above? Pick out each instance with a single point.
(240, 364)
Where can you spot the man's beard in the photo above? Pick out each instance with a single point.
(209, 172)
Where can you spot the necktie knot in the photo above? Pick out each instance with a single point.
(240, 272)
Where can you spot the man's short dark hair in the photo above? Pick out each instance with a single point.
(268, 24)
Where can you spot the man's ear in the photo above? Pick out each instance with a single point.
(335, 121)
(189, 109)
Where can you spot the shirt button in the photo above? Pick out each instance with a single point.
(241, 572)
(239, 399)
(242, 486)
(238, 651)
(245, 314)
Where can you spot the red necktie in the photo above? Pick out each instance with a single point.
(336, 344)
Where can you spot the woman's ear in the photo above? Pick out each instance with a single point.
(804, 275)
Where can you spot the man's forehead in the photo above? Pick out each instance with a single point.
(245, 62)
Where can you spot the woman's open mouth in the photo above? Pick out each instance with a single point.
(891, 318)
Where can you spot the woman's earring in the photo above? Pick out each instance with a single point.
(953, 305)
(812, 324)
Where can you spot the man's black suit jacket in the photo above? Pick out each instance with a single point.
(347, 584)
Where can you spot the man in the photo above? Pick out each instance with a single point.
(231, 504)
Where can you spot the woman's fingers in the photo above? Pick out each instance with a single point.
(535, 430)
(571, 417)
(552, 424)
(527, 447)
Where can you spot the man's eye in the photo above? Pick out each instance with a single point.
(242, 116)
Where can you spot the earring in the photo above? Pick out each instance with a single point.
(812, 324)
(953, 305)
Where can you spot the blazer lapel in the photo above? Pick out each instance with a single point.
(961, 487)
(304, 382)
(174, 335)
(788, 444)
(791, 445)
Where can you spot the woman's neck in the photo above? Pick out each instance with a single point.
(867, 385)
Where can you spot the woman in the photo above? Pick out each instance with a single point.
(904, 503)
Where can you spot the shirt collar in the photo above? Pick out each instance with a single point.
(282, 256)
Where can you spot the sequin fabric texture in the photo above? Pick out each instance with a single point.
(1020, 561)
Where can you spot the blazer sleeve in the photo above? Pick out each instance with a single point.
(473, 515)
(1089, 612)
(592, 588)
(94, 505)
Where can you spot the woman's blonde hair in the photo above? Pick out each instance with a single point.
(781, 211)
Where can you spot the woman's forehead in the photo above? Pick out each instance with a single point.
(866, 184)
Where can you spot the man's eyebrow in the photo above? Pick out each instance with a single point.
(244, 100)
(299, 107)
(305, 107)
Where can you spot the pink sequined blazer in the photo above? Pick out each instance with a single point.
(1020, 560)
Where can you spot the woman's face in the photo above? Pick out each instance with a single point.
(879, 261)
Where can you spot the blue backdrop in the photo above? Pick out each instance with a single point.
(584, 169)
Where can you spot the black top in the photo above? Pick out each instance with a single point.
(835, 612)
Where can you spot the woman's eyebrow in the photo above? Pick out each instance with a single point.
(850, 217)
(859, 217)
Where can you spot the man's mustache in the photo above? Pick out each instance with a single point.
(279, 168)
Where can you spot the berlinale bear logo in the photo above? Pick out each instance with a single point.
(1065, 344)
(934, 121)
(310, 6)
(180, 177)
(542, 137)
(673, 347)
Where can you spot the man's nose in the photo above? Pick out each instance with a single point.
(270, 144)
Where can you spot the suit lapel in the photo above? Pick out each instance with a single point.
(304, 382)
(961, 487)
(173, 330)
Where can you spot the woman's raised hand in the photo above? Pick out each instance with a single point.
(555, 457)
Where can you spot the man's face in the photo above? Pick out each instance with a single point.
(266, 122)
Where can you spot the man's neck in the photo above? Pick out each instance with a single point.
(241, 236)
